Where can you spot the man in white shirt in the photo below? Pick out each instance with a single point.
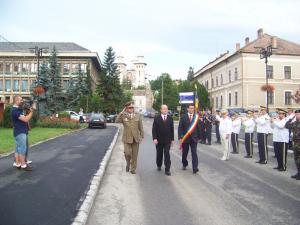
(225, 132)
(236, 127)
(249, 124)
(280, 139)
(262, 121)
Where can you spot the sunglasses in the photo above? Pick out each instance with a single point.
(131, 107)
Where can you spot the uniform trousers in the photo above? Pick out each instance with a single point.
(131, 151)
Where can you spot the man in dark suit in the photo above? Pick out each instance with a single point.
(191, 141)
(163, 136)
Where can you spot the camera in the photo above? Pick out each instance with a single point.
(27, 105)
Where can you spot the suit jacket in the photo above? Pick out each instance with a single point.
(133, 127)
(183, 127)
(162, 130)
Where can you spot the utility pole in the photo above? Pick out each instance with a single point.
(162, 90)
(38, 53)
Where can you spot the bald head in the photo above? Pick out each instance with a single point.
(164, 109)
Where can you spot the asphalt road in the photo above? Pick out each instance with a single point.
(235, 192)
(62, 169)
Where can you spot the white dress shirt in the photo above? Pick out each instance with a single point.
(236, 125)
(263, 124)
(225, 126)
(280, 133)
(249, 125)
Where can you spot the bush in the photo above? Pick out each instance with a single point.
(7, 120)
(53, 122)
(64, 115)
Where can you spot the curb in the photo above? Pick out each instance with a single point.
(90, 196)
(40, 142)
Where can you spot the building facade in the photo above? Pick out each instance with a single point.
(18, 65)
(135, 75)
(236, 80)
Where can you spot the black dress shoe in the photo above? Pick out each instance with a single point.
(294, 176)
(248, 157)
(276, 168)
(264, 162)
(168, 173)
(259, 161)
(281, 169)
(195, 171)
(184, 168)
(298, 178)
(158, 168)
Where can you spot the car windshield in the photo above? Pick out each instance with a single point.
(97, 117)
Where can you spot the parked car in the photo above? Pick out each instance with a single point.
(232, 110)
(111, 118)
(75, 116)
(97, 120)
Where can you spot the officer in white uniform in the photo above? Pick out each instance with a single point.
(280, 139)
(236, 128)
(225, 132)
(249, 125)
(262, 121)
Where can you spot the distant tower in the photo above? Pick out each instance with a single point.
(139, 66)
(121, 68)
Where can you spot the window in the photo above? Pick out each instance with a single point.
(16, 86)
(66, 69)
(235, 74)
(217, 81)
(221, 103)
(17, 68)
(287, 72)
(229, 99)
(287, 98)
(1, 85)
(270, 72)
(33, 68)
(229, 76)
(75, 68)
(206, 84)
(24, 85)
(7, 85)
(25, 68)
(212, 82)
(65, 84)
(235, 98)
(217, 102)
(83, 67)
(8, 68)
(221, 79)
(1, 68)
(270, 98)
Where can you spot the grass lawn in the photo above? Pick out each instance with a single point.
(7, 143)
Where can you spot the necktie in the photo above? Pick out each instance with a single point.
(165, 118)
(190, 117)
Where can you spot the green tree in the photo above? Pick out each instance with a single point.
(108, 87)
(190, 75)
(203, 95)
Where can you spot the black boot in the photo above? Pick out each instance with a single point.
(295, 176)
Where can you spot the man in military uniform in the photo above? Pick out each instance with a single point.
(133, 134)
(217, 125)
(249, 125)
(294, 125)
(236, 127)
(208, 121)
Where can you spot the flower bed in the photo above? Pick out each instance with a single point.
(53, 122)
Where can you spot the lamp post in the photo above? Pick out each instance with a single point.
(162, 90)
(38, 53)
(265, 53)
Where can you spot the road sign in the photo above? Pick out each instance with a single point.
(186, 97)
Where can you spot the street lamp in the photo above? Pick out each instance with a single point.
(38, 53)
(265, 53)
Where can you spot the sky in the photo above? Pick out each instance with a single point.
(171, 34)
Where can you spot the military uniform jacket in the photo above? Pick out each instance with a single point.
(280, 133)
(295, 127)
(133, 127)
(263, 124)
(236, 125)
(225, 126)
(249, 125)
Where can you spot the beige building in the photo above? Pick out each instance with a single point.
(18, 65)
(235, 80)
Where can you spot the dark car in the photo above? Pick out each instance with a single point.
(111, 118)
(97, 120)
(233, 110)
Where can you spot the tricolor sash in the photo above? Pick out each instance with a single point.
(191, 129)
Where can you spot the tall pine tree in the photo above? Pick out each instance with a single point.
(190, 75)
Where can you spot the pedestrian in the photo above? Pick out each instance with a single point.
(280, 139)
(262, 121)
(294, 125)
(225, 133)
(208, 121)
(189, 135)
(236, 127)
(217, 125)
(249, 125)
(133, 135)
(290, 115)
(81, 120)
(20, 132)
(163, 137)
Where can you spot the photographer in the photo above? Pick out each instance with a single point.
(20, 129)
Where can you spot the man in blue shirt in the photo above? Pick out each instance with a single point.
(20, 130)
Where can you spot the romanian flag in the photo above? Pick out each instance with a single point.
(196, 100)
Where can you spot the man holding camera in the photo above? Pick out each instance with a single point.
(20, 130)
